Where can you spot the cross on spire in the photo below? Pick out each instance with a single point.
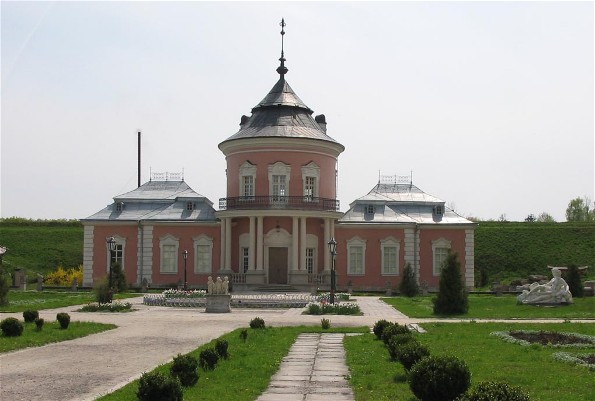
(282, 70)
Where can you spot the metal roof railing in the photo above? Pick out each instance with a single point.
(279, 202)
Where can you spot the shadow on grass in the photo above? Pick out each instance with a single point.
(400, 378)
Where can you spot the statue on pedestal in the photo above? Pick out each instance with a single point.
(555, 291)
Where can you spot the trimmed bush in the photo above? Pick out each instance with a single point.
(392, 329)
(11, 327)
(495, 391)
(411, 353)
(208, 359)
(39, 323)
(325, 324)
(4, 287)
(118, 278)
(257, 323)
(103, 294)
(155, 386)
(452, 297)
(185, 368)
(408, 286)
(379, 327)
(244, 334)
(441, 378)
(396, 342)
(221, 347)
(30, 315)
(314, 309)
(63, 319)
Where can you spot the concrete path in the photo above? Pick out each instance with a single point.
(313, 370)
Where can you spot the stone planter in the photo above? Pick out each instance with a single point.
(218, 303)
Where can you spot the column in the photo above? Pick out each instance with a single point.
(259, 243)
(303, 243)
(327, 238)
(251, 246)
(295, 261)
(228, 243)
(222, 250)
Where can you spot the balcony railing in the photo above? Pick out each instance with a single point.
(279, 202)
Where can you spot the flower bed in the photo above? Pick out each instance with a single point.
(177, 298)
(109, 307)
(546, 338)
(339, 308)
(586, 360)
(173, 293)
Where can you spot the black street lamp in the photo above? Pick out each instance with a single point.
(111, 244)
(332, 247)
(185, 254)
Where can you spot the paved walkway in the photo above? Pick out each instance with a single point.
(88, 367)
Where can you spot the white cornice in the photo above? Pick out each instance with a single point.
(280, 144)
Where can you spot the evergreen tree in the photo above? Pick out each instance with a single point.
(118, 278)
(452, 296)
(408, 285)
(573, 279)
(4, 287)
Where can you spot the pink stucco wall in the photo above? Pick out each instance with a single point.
(100, 250)
(457, 238)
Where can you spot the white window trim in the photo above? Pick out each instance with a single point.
(439, 243)
(390, 242)
(203, 240)
(244, 242)
(311, 170)
(119, 241)
(247, 169)
(352, 243)
(312, 242)
(168, 240)
(279, 168)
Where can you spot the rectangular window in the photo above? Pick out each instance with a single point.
(248, 186)
(356, 260)
(370, 209)
(168, 259)
(203, 259)
(245, 259)
(189, 206)
(279, 187)
(440, 255)
(310, 260)
(118, 254)
(389, 260)
(310, 188)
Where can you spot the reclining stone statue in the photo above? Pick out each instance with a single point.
(555, 291)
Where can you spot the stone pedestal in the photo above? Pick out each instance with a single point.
(218, 303)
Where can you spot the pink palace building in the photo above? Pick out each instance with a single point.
(272, 229)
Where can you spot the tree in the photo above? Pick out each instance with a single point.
(573, 279)
(580, 210)
(545, 218)
(452, 297)
(118, 278)
(530, 218)
(408, 285)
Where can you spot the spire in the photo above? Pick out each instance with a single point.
(282, 70)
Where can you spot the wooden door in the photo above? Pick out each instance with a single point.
(278, 265)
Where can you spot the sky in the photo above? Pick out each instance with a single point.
(490, 105)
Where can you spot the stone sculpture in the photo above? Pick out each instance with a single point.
(554, 292)
(210, 285)
(218, 287)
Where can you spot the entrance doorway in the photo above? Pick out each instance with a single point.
(278, 265)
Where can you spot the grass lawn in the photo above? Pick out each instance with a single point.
(246, 374)
(51, 333)
(20, 301)
(375, 378)
(493, 307)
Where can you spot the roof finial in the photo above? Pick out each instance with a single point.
(282, 70)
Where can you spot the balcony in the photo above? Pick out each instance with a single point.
(279, 202)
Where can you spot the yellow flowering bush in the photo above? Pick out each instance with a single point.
(63, 277)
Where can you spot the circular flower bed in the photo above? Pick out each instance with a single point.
(586, 360)
(546, 338)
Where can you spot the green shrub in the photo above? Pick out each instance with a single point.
(11, 327)
(411, 353)
(452, 297)
(208, 359)
(244, 334)
(30, 315)
(39, 323)
(118, 278)
(314, 309)
(185, 368)
(408, 286)
(439, 378)
(325, 324)
(379, 327)
(221, 347)
(573, 279)
(397, 341)
(103, 294)
(392, 329)
(4, 287)
(494, 391)
(257, 323)
(63, 319)
(159, 387)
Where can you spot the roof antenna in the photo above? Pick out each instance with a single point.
(282, 70)
(411, 179)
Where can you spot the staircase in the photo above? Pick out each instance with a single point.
(276, 288)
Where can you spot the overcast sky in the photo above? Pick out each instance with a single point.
(489, 104)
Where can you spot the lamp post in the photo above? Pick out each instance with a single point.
(185, 254)
(111, 244)
(332, 247)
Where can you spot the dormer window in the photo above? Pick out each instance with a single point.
(189, 205)
(438, 210)
(119, 206)
(369, 209)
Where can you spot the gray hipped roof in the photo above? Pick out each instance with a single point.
(158, 201)
(400, 203)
